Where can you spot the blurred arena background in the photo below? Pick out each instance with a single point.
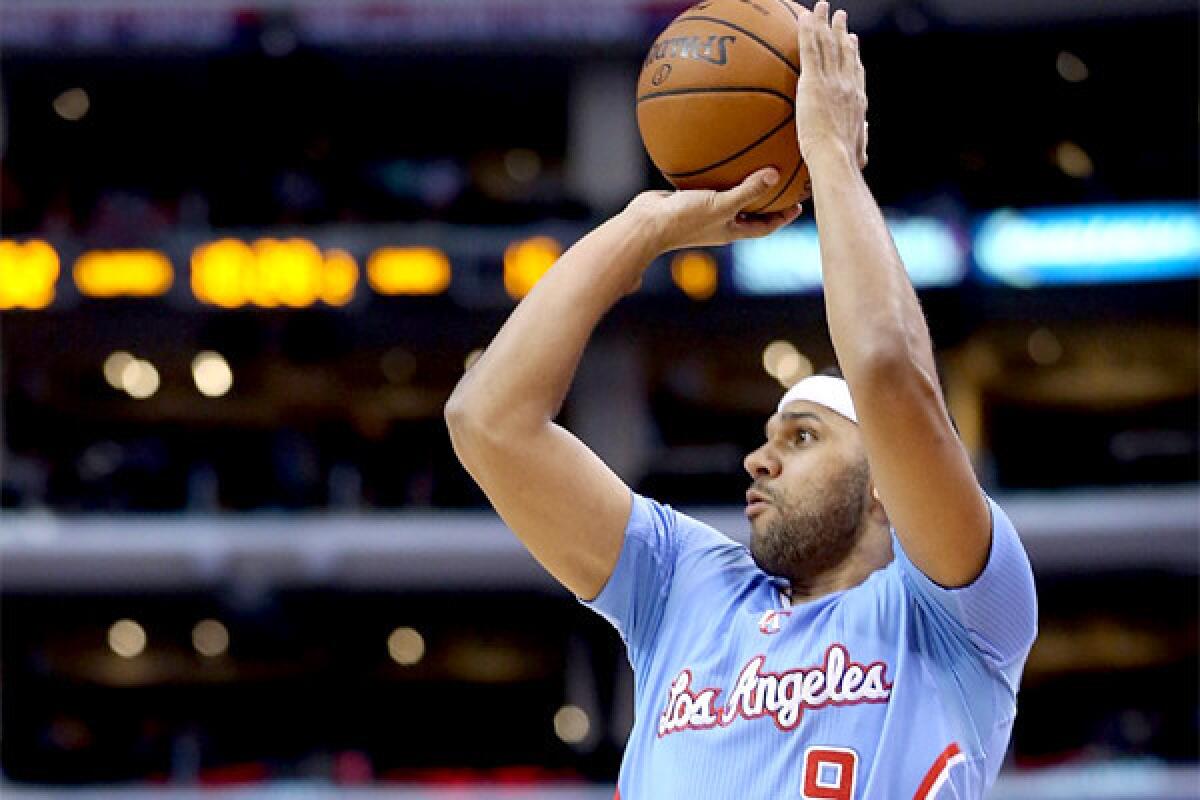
(249, 246)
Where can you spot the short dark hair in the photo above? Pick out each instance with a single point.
(832, 371)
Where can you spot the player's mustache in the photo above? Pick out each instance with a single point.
(765, 490)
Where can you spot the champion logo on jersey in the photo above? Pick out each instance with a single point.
(783, 696)
(772, 621)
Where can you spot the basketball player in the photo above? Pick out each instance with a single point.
(870, 642)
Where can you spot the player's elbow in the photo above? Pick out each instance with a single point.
(475, 426)
(883, 358)
(887, 353)
(495, 408)
(894, 343)
(465, 434)
(885, 366)
(462, 415)
(456, 411)
(467, 404)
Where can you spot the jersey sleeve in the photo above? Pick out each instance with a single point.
(635, 595)
(997, 613)
(665, 553)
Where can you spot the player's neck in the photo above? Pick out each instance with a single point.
(873, 552)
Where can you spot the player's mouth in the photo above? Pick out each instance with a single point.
(756, 503)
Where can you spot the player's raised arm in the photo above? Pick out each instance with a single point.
(921, 469)
(560, 499)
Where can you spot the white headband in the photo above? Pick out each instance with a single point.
(824, 390)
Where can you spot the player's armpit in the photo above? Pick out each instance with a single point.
(564, 504)
(922, 472)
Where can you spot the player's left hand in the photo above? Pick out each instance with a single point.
(831, 97)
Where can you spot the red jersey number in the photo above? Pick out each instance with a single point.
(829, 773)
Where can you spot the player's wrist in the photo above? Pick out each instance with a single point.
(647, 225)
(829, 154)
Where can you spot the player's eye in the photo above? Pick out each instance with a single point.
(804, 436)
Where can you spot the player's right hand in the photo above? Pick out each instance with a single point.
(707, 218)
(831, 97)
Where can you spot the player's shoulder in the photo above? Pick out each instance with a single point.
(649, 513)
(696, 546)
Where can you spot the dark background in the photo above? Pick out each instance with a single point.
(284, 123)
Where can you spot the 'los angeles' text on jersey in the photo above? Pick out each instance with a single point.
(783, 696)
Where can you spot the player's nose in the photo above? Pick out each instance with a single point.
(761, 463)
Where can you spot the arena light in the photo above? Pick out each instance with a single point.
(1044, 347)
(409, 271)
(288, 273)
(140, 379)
(406, 646)
(1071, 68)
(1096, 244)
(130, 374)
(114, 368)
(220, 271)
(72, 105)
(339, 278)
(269, 273)
(571, 724)
(123, 273)
(526, 261)
(211, 374)
(783, 362)
(1074, 161)
(210, 638)
(695, 272)
(790, 260)
(28, 274)
(126, 638)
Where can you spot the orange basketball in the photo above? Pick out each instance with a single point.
(716, 98)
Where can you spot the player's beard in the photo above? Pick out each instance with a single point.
(806, 538)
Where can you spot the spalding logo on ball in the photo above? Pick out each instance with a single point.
(716, 98)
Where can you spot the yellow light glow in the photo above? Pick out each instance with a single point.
(123, 273)
(525, 262)
(221, 271)
(340, 277)
(695, 272)
(409, 270)
(289, 272)
(272, 272)
(28, 272)
(126, 638)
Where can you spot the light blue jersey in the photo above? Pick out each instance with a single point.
(896, 688)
